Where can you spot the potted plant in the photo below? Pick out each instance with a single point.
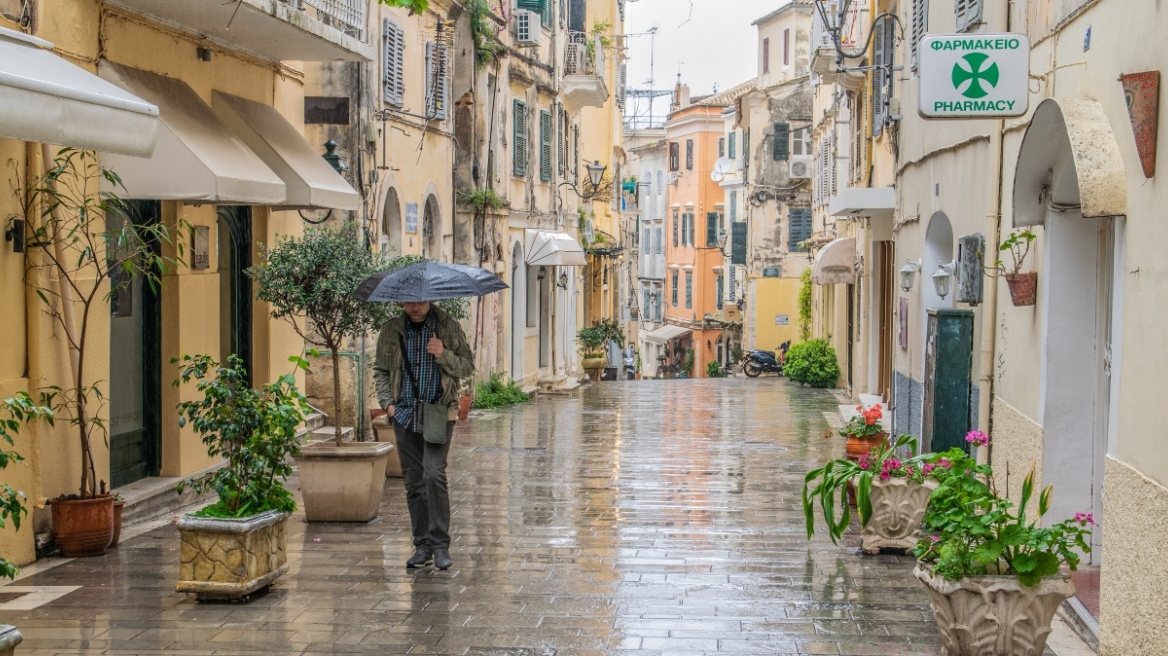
(1023, 286)
(714, 370)
(239, 544)
(993, 576)
(84, 250)
(892, 485)
(812, 363)
(864, 432)
(687, 365)
(310, 282)
(591, 341)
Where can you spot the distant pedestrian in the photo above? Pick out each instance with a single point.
(437, 357)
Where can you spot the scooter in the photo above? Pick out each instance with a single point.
(756, 363)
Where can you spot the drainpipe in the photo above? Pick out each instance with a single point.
(360, 358)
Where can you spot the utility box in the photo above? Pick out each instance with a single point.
(948, 380)
(970, 251)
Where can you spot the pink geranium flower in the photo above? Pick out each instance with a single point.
(1085, 519)
(978, 438)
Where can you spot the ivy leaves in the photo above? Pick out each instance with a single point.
(415, 6)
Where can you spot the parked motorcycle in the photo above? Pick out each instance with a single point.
(756, 363)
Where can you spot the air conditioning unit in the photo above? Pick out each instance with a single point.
(526, 27)
(800, 168)
(674, 177)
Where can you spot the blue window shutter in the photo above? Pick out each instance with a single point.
(782, 142)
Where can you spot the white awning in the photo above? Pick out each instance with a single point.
(835, 263)
(666, 333)
(547, 248)
(872, 202)
(197, 159)
(310, 180)
(45, 99)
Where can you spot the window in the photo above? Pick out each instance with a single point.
(658, 301)
(675, 228)
(799, 228)
(688, 291)
(766, 55)
(712, 229)
(721, 280)
(561, 134)
(733, 206)
(660, 182)
(657, 240)
(968, 14)
(674, 156)
(920, 25)
(393, 63)
(519, 138)
(733, 283)
(883, 58)
(542, 7)
(645, 299)
(689, 154)
(782, 142)
(545, 146)
(674, 299)
(801, 141)
(786, 48)
(691, 229)
(730, 152)
(646, 243)
(437, 75)
(721, 146)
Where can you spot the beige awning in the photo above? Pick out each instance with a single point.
(310, 180)
(197, 159)
(548, 248)
(835, 263)
(45, 99)
(666, 333)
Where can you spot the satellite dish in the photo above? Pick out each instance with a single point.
(717, 175)
(723, 165)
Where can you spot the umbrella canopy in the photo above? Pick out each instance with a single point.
(429, 281)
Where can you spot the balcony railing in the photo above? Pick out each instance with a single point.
(347, 16)
(585, 55)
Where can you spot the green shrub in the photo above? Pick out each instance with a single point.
(714, 370)
(498, 392)
(812, 362)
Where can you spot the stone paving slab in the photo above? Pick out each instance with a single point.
(645, 518)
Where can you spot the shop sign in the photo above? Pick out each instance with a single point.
(782, 319)
(974, 75)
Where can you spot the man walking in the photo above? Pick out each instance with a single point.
(436, 356)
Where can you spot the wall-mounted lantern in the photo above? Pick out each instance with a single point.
(943, 278)
(908, 275)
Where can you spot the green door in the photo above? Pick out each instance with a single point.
(135, 394)
(235, 292)
(948, 380)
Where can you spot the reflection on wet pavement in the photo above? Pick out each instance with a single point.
(656, 517)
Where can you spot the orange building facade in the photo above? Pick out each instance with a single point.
(695, 228)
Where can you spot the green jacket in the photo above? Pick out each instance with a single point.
(456, 363)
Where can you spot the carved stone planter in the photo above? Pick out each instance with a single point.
(9, 639)
(228, 559)
(993, 615)
(898, 507)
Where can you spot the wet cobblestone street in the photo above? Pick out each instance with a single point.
(632, 518)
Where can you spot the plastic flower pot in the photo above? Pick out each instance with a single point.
(1023, 288)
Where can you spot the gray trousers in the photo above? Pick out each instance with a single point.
(427, 496)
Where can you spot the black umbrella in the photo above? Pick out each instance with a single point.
(429, 281)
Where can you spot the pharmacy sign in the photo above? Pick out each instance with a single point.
(974, 75)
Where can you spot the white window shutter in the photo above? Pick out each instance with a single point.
(878, 75)
(920, 27)
(436, 81)
(968, 14)
(393, 55)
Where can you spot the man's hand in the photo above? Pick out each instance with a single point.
(389, 411)
(434, 347)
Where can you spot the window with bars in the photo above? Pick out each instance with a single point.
(674, 156)
(393, 63)
(519, 138)
(437, 77)
(689, 154)
(798, 228)
(545, 146)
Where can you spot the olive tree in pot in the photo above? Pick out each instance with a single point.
(14, 413)
(591, 341)
(994, 577)
(84, 250)
(239, 544)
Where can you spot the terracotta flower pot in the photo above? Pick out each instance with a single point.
(859, 445)
(1023, 288)
(119, 506)
(83, 527)
(993, 614)
(898, 506)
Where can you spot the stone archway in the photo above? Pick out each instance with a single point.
(391, 223)
(432, 229)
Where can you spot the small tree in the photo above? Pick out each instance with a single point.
(14, 413)
(805, 306)
(310, 282)
(91, 261)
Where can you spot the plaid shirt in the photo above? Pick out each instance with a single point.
(425, 368)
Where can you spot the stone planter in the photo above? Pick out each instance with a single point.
(594, 367)
(83, 527)
(228, 559)
(992, 615)
(383, 429)
(9, 639)
(343, 483)
(898, 507)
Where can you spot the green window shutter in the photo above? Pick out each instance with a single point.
(545, 146)
(675, 228)
(720, 282)
(530, 5)
(732, 153)
(547, 11)
(798, 228)
(674, 299)
(711, 228)
(782, 139)
(519, 138)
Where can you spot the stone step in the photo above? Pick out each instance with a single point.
(869, 400)
(155, 497)
(315, 420)
(326, 433)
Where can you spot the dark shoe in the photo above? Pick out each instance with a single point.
(422, 556)
(442, 558)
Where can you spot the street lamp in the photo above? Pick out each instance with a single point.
(722, 239)
(596, 173)
(563, 284)
(908, 274)
(943, 278)
(333, 158)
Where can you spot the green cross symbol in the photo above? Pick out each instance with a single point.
(975, 75)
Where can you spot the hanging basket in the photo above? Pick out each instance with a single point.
(1023, 288)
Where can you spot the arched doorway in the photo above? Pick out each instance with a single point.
(938, 251)
(518, 310)
(235, 291)
(391, 224)
(432, 229)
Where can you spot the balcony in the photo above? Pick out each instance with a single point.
(824, 55)
(584, 70)
(271, 30)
